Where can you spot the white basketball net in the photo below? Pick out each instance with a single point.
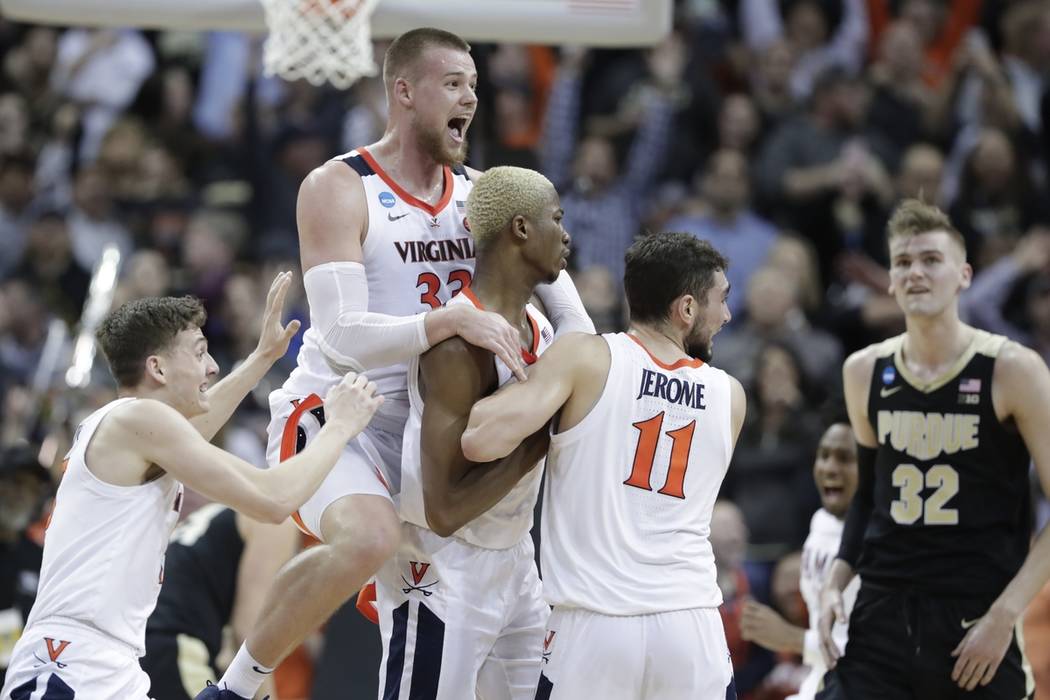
(319, 40)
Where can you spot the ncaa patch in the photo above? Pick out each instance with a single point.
(387, 199)
(888, 375)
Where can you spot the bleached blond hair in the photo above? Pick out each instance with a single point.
(501, 194)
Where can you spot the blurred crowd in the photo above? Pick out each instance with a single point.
(783, 131)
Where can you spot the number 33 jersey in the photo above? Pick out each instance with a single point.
(630, 489)
(951, 509)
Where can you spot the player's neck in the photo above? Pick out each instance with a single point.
(503, 289)
(409, 165)
(662, 342)
(932, 342)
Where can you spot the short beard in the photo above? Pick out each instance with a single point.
(433, 144)
(700, 350)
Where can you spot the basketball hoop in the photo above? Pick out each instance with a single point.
(319, 40)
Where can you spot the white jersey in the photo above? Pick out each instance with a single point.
(416, 256)
(104, 548)
(630, 489)
(818, 553)
(503, 525)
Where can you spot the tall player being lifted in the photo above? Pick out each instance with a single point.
(384, 244)
(945, 416)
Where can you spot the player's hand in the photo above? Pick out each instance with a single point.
(831, 611)
(490, 331)
(982, 649)
(764, 626)
(275, 336)
(352, 403)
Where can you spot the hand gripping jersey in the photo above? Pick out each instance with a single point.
(104, 548)
(416, 256)
(630, 489)
(507, 522)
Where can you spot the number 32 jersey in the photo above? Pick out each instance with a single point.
(631, 488)
(951, 511)
(416, 258)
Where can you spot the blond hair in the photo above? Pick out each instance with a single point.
(913, 217)
(501, 194)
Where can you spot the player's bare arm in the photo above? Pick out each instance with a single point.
(500, 422)
(225, 396)
(456, 490)
(332, 216)
(148, 432)
(1020, 387)
(766, 627)
(856, 375)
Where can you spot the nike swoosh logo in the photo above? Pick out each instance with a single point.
(395, 218)
(967, 624)
(886, 391)
(259, 670)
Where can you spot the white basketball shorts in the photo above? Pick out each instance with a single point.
(459, 621)
(679, 655)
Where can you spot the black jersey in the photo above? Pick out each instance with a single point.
(200, 577)
(951, 509)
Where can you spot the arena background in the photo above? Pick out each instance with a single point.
(782, 131)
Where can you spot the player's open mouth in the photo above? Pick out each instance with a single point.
(457, 128)
(918, 290)
(831, 491)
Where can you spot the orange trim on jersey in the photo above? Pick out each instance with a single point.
(289, 437)
(529, 356)
(446, 196)
(684, 362)
(366, 602)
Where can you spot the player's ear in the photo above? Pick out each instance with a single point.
(966, 276)
(155, 369)
(402, 92)
(519, 228)
(685, 308)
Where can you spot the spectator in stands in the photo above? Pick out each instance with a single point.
(94, 222)
(770, 476)
(813, 167)
(995, 204)
(820, 34)
(1023, 276)
(24, 487)
(49, 267)
(724, 218)
(101, 70)
(16, 208)
(603, 209)
(774, 312)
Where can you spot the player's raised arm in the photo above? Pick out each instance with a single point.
(224, 397)
(500, 422)
(160, 435)
(455, 489)
(1020, 387)
(332, 215)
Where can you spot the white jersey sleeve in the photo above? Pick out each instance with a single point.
(631, 488)
(818, 554)
(506, 523)
(416, 257)
(104, 548)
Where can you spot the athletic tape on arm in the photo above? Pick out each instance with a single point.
(351, 337)
(564, 306)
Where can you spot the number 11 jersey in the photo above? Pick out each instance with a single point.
(630, 489)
